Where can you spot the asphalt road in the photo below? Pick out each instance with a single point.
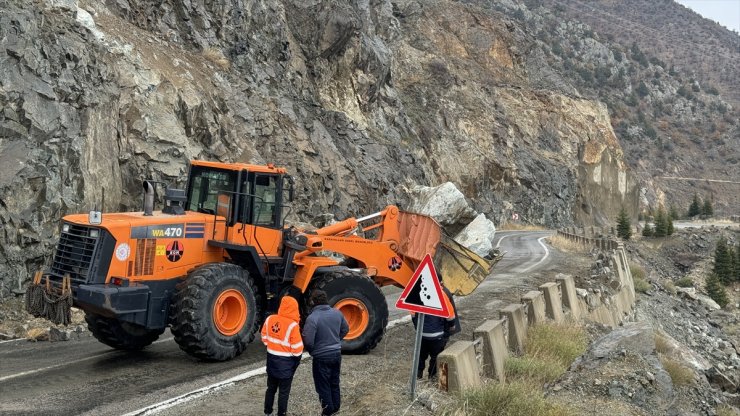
(86, 377)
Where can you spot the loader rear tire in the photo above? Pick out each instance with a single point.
(362, 304)
(215, 312)
(120, 335)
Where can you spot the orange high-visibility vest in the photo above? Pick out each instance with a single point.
(281, 333)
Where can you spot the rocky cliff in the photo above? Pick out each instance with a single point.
(361, 100)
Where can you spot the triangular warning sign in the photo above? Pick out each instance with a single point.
(423, 293)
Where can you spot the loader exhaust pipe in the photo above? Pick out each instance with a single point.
(148, 198)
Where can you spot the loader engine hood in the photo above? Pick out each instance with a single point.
(91, 253)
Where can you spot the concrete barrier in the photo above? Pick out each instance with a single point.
(534, 306)
(553, 306)
(569, 295)
(458, 367)
(514, 315)
(491, 332)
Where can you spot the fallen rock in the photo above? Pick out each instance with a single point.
(478, 235)
(688, 292)
(708, 302)
(445, 203)
(56, 334)
(718, 379)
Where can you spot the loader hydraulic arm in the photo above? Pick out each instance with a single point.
(378, 256)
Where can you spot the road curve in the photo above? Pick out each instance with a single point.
(86, 377)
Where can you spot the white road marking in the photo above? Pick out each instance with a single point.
(502, 239)
(51, 367)
(13, 340)
(184, 398)
(547, 253)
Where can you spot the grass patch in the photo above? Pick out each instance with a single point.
(680, 375)
(637, 271)
(685, 282)
(508, 399)
(727, 410)
(670, 287)
(560, 342)
(549, 351)
(662, 344)
(533, 369)
(217, 58)
(569, 246)
(641, 285)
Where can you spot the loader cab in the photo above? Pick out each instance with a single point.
(242, 194)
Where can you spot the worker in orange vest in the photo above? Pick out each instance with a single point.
(282, 336)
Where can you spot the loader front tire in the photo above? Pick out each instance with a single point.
(362, 304)
(120, 335)
(215, 312)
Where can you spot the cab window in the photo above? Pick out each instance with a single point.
(265, 193)
(205, 185)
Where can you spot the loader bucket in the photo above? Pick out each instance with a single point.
(461, 269)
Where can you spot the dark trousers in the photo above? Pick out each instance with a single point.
(430, 348)
(326, 380)
(273, 385)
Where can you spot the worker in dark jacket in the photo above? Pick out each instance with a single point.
(434, 336)
(282, 336)
(322, 336)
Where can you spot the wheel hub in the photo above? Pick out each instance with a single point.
(230, 312)
(356, 314)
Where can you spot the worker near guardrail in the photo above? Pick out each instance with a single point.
(322, 334)
(435, 334)
(282, 336)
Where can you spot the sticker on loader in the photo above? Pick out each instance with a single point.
(175, 250)
(394, 263)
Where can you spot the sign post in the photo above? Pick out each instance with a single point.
(417, 349)
(423, 294)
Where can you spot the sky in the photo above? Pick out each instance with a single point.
(726, 12)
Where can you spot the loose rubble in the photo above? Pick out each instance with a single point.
(678, 329)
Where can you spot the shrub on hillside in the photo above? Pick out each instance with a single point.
(685, 282)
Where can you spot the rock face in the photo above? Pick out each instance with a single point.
(361, 101)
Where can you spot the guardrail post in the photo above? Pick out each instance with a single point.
(534, 302)
(553, 306)
(514, 314)
(458, 367)
(568, 291)
(491, 332)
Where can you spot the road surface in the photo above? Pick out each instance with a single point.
(86, 377)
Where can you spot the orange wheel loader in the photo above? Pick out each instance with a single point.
(217, 258)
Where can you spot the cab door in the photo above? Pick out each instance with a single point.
(260, 209)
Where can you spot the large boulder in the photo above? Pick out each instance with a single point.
(445, 203)
(478, 235)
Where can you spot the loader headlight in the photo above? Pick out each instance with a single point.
(65, 228)
(94, 233)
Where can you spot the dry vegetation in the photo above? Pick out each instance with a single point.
(550, 349)
(638, 276)
(520, 227)
(680, 375)
(217, 57)
(563, 244)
